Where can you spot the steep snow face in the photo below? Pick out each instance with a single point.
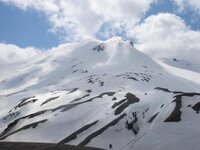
(101, 94)
(183, 64)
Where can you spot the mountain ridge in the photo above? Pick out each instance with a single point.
(104, 94)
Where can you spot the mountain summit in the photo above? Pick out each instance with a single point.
(103, 94)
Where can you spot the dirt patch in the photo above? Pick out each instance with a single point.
(130, 99)
(118, 103)
(153, 117)
(175, 116)
(49, 100)
(99, 47)
(133, 125)
(167, 90)
(15, 122)
(74, 135)
(32, 125)
(24, 101)
(78, 99)
(70, 106)
(73, 90)
(196, 107)
(98, 132)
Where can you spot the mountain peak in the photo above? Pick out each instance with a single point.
(117, 39)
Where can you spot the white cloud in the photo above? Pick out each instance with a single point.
(163, 34)
(83, 18)
(167, 35)
(49, 6)
(14, 54)
(184, 4)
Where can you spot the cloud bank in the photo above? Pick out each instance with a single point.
(166, 35)
(14, 54)
(160, 35)
(185, 4)
(83, 19)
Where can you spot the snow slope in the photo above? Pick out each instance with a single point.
(183, 64)
(100, 94)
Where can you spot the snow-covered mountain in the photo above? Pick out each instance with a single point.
(183, 64)
(100, 94)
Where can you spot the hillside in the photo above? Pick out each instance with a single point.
(100, 94)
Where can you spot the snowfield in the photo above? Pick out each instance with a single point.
(101, 94)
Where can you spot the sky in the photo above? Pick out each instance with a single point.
(158, 27)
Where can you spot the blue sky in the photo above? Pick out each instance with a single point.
(191, 18)
(25, 28)
(29, 25)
